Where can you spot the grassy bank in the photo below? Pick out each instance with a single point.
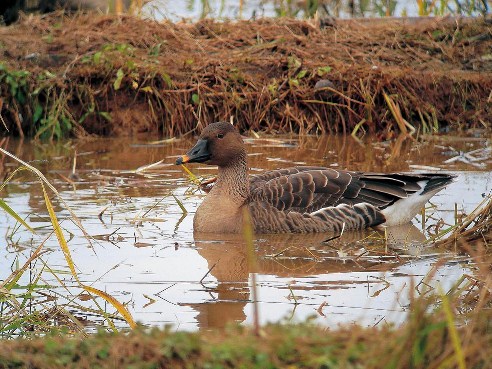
(112, 75)
(429, 339)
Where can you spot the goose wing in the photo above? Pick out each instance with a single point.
(303, 189)
(308, 189)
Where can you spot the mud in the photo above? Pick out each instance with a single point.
(109, 75)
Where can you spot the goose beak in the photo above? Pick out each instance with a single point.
(182, 160)
(198, 154)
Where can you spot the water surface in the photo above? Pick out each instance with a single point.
(143, 251)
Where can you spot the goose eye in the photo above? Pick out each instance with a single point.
(220, 135)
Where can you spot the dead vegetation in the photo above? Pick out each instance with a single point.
(472, 228)
(120, 75)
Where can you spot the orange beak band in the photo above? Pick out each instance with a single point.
(182, 160)
(198, 154)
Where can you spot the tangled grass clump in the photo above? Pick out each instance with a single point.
(111, 74)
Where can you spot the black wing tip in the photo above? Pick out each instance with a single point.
(438, 181)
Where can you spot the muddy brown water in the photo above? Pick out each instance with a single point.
(144, 253)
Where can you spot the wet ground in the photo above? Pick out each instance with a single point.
(144, 253)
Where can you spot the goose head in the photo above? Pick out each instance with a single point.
(219, 144)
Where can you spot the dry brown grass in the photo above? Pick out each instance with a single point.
(121, 75)
(472, 231)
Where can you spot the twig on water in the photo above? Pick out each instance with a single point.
(208, 272)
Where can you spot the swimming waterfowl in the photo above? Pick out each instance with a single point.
(301, 199)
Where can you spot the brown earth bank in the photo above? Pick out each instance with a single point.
(114, 75)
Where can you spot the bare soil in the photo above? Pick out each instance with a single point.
(112, 75)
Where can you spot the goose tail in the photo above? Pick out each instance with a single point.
(404, 210)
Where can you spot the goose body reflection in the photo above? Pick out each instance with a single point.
(295, 257)
(301, 199)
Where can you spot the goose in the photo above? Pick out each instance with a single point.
(303, 199)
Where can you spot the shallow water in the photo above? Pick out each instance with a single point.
(218, 9)
(144, 253)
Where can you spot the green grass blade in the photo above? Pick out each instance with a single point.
(14, 215)
(455, 339)
(15, 276)
(66, 252)
(118, 305)
(181, 206)
(36, 171)
(59, 234)
(192, 177)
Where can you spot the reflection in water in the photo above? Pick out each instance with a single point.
(144, 252)
(227, 262)
(292, 256)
